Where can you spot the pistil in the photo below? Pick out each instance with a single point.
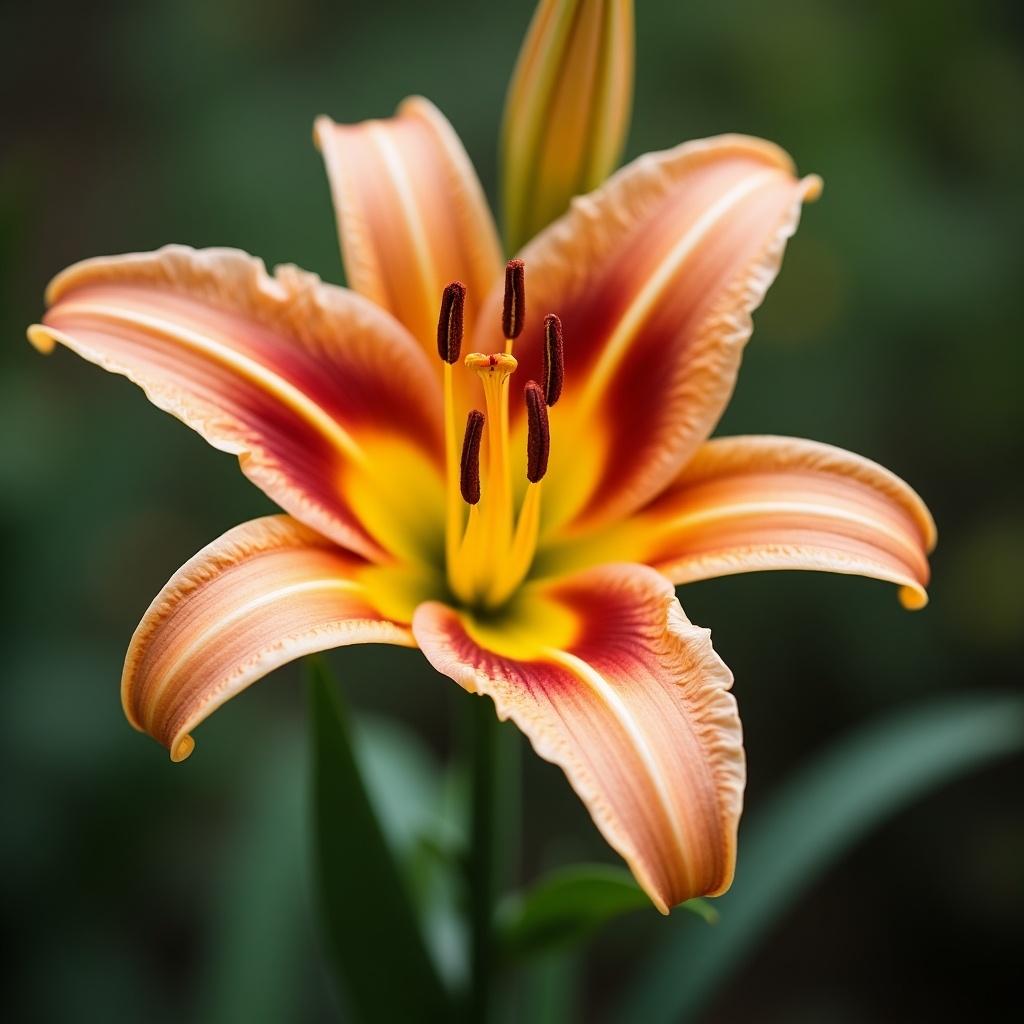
(496, 505)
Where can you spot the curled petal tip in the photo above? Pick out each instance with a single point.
(41, 339)
(913, 598)
(182, 748)
(757, 503)
(659, 904)
(416, 103)
(321, 125)
(813, 186)
(265, 593)
(260, 366)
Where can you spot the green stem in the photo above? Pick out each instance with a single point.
(483, 863)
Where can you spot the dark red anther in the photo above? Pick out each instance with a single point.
(514, 310)
(554, 358)
(469, 480)
(538, 437)
(449, 323)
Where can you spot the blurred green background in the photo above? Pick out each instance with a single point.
(128, 883)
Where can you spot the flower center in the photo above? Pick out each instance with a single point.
(489, 541)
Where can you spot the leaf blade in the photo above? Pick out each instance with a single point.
(569, 905)
(826, 807)
(370, 922)
(253, 972)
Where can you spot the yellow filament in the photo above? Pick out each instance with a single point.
(515, 567)
(465, 566)
(453, 499)
(496, 551)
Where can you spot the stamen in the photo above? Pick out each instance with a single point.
(449, 323)
(469, 479)
(554, 359)
(538, 437)
(524, 544)
(514, 310)
(449, 345)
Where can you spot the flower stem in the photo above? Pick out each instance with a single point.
(483, 867)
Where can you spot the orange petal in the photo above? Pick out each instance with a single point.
(567, 109)
(654, 276)
(750, 503)
(305, 382)
(412, 216)
(632, 703)
(265, 593)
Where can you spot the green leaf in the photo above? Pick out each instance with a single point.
(550, 987)
(825, 809)
(254, 970)
(374, 937)
(418, 811)
(703, 909)
(570, 905)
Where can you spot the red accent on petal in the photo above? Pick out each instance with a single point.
(284, 371)
(753, 503)
(265, 593)
(654, 277)
(636, 711)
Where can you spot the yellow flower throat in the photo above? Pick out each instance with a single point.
(489, 544)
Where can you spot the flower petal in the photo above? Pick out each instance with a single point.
(567, 110)
(654, 276)
(412, 216)
(263, 594)
(631, 702)
(307, 383)
(750, 503)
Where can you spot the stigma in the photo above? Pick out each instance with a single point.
(496, 366)
(493, 523)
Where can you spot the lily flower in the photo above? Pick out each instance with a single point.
(520, 514)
